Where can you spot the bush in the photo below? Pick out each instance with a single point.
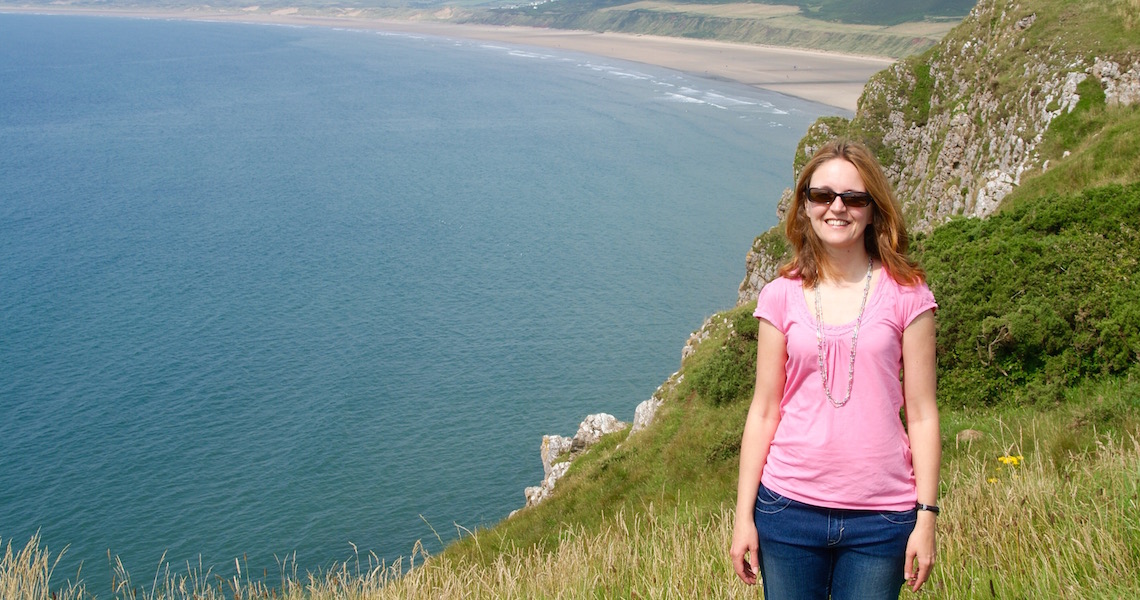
(1038, 298)
(729, 373)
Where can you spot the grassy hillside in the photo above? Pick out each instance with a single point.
(886, 28)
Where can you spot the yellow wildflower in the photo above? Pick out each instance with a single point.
(1012, 461)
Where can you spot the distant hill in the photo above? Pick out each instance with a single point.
(890, 28)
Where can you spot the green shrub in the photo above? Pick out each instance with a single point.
(729, 373)
(1037, 298)
(918, 109)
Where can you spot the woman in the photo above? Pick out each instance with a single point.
(835, 497)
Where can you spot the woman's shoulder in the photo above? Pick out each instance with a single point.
(907, 300)
(783, 284)
(917, 288)
(775, 298)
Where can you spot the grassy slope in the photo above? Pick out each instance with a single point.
(831, 26)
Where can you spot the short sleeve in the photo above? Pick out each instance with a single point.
(772, 304)
(913, 301)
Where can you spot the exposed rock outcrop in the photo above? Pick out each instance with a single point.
(958, 127)
(592, 428)
(554, 447)
(644, 413)
(559, 451)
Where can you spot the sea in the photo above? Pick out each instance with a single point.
(277, 293)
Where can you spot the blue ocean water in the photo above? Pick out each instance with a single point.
(271, 290)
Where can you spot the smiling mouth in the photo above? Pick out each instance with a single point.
(837, 222)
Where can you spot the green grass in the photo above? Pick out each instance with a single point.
(1104, 146)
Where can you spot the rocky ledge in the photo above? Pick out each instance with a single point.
(559, 451)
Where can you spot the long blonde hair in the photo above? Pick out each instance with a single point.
(885, 238)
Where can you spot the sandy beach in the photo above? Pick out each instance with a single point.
(828, 78)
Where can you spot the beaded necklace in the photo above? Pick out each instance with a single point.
(854, 339)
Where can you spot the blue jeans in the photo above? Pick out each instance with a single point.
(808, 552)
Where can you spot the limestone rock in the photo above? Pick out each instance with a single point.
(553, 446)
(1120, 88)
(760, 269)
(538, 493)
(644, 414)
(784, 204)
(695, 339)
(593, 428)
(968, 436)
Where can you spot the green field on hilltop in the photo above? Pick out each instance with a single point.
(887, 28)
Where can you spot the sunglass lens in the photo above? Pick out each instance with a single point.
(821, 196)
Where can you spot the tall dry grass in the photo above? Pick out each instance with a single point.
(646, 555)
(1038, 523)
(1023, 517)
(27, 574)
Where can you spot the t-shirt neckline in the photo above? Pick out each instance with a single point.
(872, 303)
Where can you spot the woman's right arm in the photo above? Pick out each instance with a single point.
(759, 428)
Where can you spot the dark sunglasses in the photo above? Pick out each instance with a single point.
(826, 196)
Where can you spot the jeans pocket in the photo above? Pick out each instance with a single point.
(769, 502)
(900, 517)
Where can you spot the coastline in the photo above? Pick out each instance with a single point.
(828, 78)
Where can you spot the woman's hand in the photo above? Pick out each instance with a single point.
(920, 551)
(745, 552)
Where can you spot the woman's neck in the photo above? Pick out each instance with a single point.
(848, 268)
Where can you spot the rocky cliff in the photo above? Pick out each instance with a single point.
(961, 126)
(957, 129)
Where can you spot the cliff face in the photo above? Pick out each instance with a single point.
(959, 127)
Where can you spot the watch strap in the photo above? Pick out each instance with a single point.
(929, 507)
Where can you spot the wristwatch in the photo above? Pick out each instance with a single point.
(932, 508)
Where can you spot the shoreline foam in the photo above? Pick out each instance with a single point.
(828, 78)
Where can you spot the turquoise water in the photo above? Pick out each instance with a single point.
(267, 290)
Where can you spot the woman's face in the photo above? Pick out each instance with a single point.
(840, 227)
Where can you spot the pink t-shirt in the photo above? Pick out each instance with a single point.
(856, 456)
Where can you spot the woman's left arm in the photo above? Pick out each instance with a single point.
(919, 390)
